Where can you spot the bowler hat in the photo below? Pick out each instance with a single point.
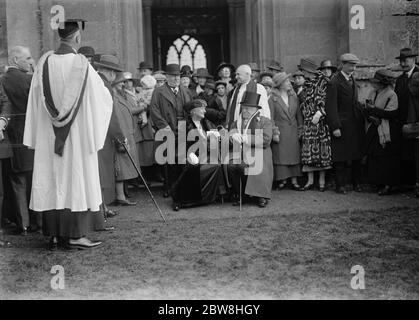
(349, 58)
(87, 51)
(251, 99)
(327, 64)
(279, 78)
(145, 65)
(307, 65)
(384, 76)
(406, 53)
(122, 76)
(109, 61)
(70, 27)
(225, 65)
(173, 69)
(202, 73)
(196, 103)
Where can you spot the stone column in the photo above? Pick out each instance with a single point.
(237, 28)
(148, 31)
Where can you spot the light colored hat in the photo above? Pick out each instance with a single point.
(148, 82)
(159, 77)
(349, 58)
(122, 76)
(279, 78)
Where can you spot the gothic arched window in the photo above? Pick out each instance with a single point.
(186, 50)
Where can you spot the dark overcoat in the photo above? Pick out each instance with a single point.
(344, 112)
(16, 85)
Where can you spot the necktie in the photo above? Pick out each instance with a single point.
(175, 91)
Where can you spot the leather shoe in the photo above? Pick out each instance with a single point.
(262, 202)
(83, 243)
(5, 244)
(53, 244)
(176, 206)
(322, 189)
(125, 203)
(357, 188)
(308, 187)
(296, 187)
(340, 190)
(385, 191)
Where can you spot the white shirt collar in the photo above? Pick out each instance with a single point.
(347, 76)
(409, 74)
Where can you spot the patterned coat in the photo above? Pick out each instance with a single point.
(316, 144)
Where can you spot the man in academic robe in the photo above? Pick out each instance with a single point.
(16, 84)
(410, 148)
(243, 132)
(68, 115)
(235, 97)
(166, 110)
(346, 123)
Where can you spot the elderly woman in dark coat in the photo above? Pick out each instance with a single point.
(123, 167)
(286, 114)
(200, 182)
(383, 141)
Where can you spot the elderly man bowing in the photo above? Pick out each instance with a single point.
(251, 135)
(235, 97)
(68, 114)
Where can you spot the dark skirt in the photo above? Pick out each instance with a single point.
(67, 224)
(199, 184)
(145, 153)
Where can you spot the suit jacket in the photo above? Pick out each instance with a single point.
(403, 95)
(343, 112)
(5, 150)
(16, 85)
(289, 121)
(163, 106)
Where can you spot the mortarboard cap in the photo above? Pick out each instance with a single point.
(70, 26)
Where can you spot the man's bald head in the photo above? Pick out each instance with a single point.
(243, 73)
(20, 57)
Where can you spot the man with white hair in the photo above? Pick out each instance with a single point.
(68, 115)
(16, 84)
(236, 96)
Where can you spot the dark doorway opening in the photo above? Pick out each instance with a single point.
(208, 27)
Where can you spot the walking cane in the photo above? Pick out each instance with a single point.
(142, 178)
(240, 196)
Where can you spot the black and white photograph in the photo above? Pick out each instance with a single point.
(223, 151)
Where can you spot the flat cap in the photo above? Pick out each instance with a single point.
(350, 58)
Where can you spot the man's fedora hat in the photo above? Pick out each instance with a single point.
(275, 66)
(406, 53)
(254, 66)
(225, 65)
(69, 27)
(193, 104)
(145, 65)
(307, 65)
(88, 52)
(202, 73)
(349, 58)
(384, 76)
(279, 78)
(327, 64)
(109, 61)
(251, 99)
(173, 69)
(122, 76)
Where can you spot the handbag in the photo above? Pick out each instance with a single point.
(411, 130)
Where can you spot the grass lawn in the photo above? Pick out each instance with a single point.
(270, 256)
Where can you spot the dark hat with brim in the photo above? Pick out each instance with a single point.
(251, 99)
(275, 66)
(384, 76)
(145, 65)
(173, 69)
(193, 104)
(88, 52)
(279, 78)
(122, 76)
(327, 64)
(221, 83)
(307, 65)
(186, 69)
(203, 73)
(406, 53)
(70, 26)
(108, 61)
(254, 66)
(266, 74)
(225, 65)
(210, 84)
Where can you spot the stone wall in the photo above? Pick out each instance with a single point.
(114, 26)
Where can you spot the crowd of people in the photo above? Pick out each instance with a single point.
(74, 129)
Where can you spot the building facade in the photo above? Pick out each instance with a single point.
(210, 31)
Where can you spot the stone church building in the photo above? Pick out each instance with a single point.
(206, 32)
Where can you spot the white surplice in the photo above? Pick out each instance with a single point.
(70, 181)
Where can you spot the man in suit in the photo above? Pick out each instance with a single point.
(410, 148)
(235, 96)
(16, 84)
(346, 123)
(166, 110)
(256, 185)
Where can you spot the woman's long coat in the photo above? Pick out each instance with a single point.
(289, 121)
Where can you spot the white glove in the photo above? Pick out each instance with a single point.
(316, 117)
(237, 137)
(246, 139)
(193, 159)
(213, 133)
(3, 124)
